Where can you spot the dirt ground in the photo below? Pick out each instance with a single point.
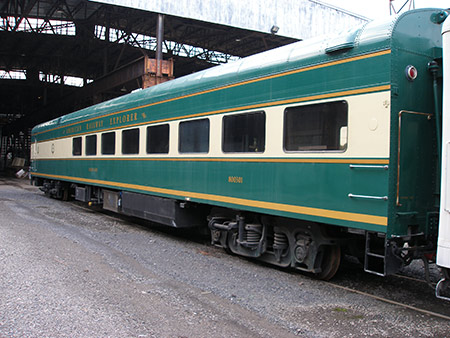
(67, 271)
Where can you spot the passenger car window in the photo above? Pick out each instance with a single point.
(316, 127)
(91, 145)
(158, 139)
(109, 143)
(130, 141)
(244, 133)
(194, 136)
(76, 146)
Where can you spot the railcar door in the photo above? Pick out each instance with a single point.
(416, 172)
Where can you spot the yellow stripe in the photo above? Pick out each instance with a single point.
(296, 71)
(340, 215)
(243, 160)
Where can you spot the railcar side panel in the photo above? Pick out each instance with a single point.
(307, 185)
(262, 187)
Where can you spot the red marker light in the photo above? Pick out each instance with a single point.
(411, 73)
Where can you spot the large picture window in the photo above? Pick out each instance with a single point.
(316, 127)
(194, 136)
(158, 139)
(130, 141)
(109, 143)
(76, 146)
(91, 145)
(244, 133)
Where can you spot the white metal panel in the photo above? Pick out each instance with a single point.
(443, 253)
(301, 19)
(445, 184)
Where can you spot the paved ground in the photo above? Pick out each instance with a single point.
(66, 271)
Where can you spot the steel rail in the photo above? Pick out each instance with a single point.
(389, 301)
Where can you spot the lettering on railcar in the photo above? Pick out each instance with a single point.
(74, 129)
(94, 125)
(123, 119)
(407, 198)
(235, 179)
(93, 170)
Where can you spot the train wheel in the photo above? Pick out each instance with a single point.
(331, 259)
(65, 194)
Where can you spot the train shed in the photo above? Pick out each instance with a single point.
(58, 56)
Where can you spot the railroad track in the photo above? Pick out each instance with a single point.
(405, 291)
(432, 284)
(390, 301)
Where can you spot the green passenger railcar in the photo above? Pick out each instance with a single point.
(290, 156)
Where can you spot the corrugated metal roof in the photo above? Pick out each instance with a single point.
(300, 19)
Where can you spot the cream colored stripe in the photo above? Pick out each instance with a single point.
(229, 110)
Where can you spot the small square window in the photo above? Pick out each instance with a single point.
(194, 136)
(158, 139)
(91, 145)
(109, 143)
(76, 146)
(130, 141)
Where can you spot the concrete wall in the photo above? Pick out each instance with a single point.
(300, 19)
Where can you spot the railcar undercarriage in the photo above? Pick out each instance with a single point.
(289, 243)
(279, 241)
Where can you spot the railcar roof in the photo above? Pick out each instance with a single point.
(372, 36)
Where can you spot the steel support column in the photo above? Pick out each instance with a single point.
(159, 42)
